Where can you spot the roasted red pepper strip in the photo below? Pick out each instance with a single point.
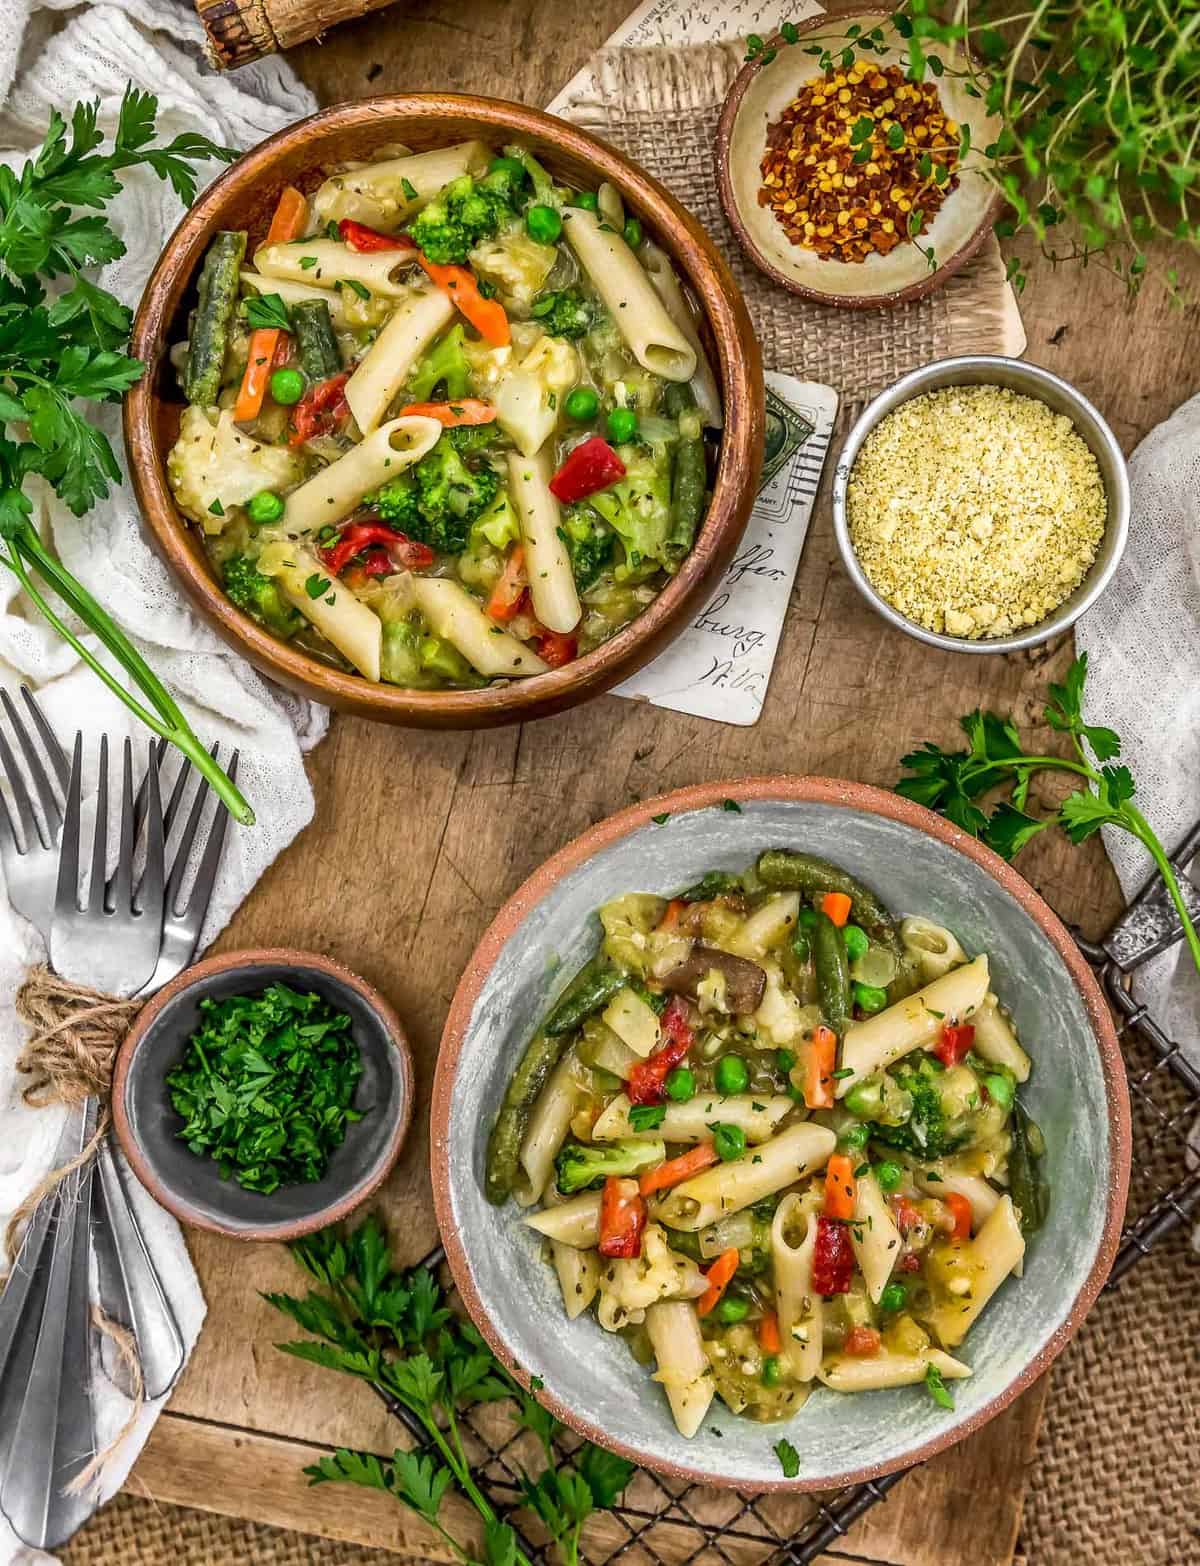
(833, 1258)
(359, 237)
(403, 553)
(554, 648)
(319, 409)
(622, 1218)
(863, 1342)
(646, 1081)
(956, 1039)
(591, 466)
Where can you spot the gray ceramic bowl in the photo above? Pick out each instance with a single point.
(190, 1186)
(985, 370)
(918, 863)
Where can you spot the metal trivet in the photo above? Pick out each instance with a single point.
(663, 1522)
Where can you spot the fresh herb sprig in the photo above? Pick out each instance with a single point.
(56, 351)
(953, 782)
(394, 1331)
(266, 1086)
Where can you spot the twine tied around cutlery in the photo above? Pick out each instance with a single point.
(74, 1035)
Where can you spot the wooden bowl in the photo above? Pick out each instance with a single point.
(760, 92)
(918, 863)
(244, 197)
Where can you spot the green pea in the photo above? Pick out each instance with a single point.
(894, 1297)
(287, 386)
(680, 1085)
(733, 1309)
(856, 942)
(856, 1135)
(771, 1371)
(543, 224)
(999, 1089)
(587, 199)
(869, 996)
(632, 233)
(730, 1142)
(785, 1059)
(732, 1074)
(264, 507)
(582, 404)
(511, 166)
(889, 1174)
(622, 425)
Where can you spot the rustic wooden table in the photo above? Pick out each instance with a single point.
(418, 838)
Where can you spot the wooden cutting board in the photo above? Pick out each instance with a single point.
(419, 838)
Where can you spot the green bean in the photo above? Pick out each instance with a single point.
(313, 328)
(833, 973)
(1026, 1184)
(712, 884)
(209, 335)
(596, 982)
(689, 479)
(784, 871)
(504, 1144)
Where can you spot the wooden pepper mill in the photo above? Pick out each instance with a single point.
(243, 30)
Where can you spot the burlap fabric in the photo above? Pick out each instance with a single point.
(1114, 1476)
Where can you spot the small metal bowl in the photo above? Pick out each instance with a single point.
(191, 1187)
(986, 370)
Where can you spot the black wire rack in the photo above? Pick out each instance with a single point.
(662, 1522)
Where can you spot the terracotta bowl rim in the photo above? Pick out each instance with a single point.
(738, 366)
(282, 957)
(812, 789)
(730, 110)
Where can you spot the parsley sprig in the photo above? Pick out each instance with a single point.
(394, 1331)
(67, 345)
(953, 782)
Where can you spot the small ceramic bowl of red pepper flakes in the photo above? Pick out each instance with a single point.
(844, 178)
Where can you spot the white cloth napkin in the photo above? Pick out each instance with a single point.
(1143, 646)
(49, 61)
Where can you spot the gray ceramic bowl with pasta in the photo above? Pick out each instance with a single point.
(917, 863)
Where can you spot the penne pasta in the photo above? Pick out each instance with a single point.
(874, 1235)
(758, 1117)
(768, 926)
(799, 1307)
(576, 1222)
(452, 613)
(299, 293)
(996, 1040)
(669, 289)
(339, 616)
(547, 564)
(337, 490)
(727, 1188)
(932, 948)
(640, 316)
(384, 194)
(385, 367)
(984, 1198)
(877, 1372)
(549, 1121)
(324, 263)
(683, 1369)
(964, 1274)
(578, 1276)
(879, 1041)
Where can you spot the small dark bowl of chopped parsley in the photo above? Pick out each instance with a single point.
(264, 1094)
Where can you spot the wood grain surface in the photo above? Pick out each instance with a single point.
(419, 837)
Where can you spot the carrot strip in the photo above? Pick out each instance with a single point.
(467, 410)
(510, 587)
(671, 918)
(840, 1187)
(837, 906)
(768, 1334)
(290, 217)
(718, 1275)
(288, 222)
(678, 1169)
(820, 1059)
(485, 315)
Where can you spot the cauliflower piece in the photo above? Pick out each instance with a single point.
(629, 1288)
(223, 466)
(528, 397)
(780, 1015)
(517, 266)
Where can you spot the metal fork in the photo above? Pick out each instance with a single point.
(30, 854)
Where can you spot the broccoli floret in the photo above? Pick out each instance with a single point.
(259, 596)
(450, 495)
(579, 1167)
(396, 503)
(638, 507)
(565, 313)
(422, 662)
(469, 438)
(928, 1131)
(466, 211)
(445, 363)
(589, 543)
(498, 522)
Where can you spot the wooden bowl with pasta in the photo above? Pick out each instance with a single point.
(803, 1096)
(451, 415)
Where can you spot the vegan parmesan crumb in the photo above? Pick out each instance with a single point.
(975, 510)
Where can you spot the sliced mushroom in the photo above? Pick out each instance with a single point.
(744, 981)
